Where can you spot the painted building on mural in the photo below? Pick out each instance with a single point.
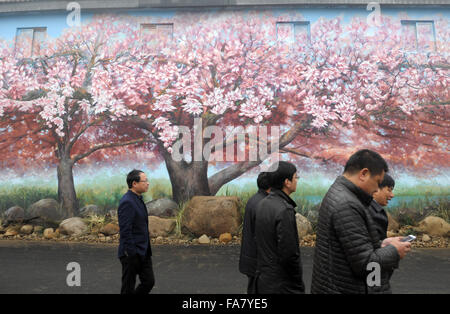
(96, 81)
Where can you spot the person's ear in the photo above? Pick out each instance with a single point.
(363, 174)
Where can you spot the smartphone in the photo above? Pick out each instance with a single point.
(408, 238)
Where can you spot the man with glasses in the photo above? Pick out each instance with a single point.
(134, 248)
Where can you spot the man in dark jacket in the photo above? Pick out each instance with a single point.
(247, 260)
(279, 266)
(381, 198)
(348, 246)
(134, 247)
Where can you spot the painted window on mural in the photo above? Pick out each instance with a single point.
(157, 33)
(292, 32)
(29, 41)
(418, 35)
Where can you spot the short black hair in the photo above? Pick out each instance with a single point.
(366, 158)
(387, 181)
(263, 181)
(133, 176)
(285, 170)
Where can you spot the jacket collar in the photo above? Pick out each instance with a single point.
(377, 207)
(365, 198)
(284, 196)
(135, 195)
(263, 192)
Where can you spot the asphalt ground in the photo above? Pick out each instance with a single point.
(41, 268)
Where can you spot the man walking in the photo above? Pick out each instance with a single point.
(381, 198)
(348, 245)
(134, 247)
(247, 260)
(279, 266)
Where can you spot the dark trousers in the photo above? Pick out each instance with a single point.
(251, 288)
(137, 265)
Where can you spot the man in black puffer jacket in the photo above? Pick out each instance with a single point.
(247, 260)
(347, 239)
(279, 265)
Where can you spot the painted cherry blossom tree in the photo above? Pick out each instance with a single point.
(60, 106)
(343, 88)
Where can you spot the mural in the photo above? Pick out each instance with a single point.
(117, 90)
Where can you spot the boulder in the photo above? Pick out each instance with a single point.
(38, 229)
(225, 237)
(204, 239)
(48, 210)
(434, 226)
(409, 216)
(14, 214)
(27, 229)
(304, 227)
(391, 234)
(110, 229)
(160, 226)
(212, 215)
(48, 233)
(73, 226)
(426, 238)
(90, 210)
(163, 208)
(313, 216)
(11, 232)
(392, 224)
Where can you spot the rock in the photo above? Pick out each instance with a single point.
(409, 216)
(392, 223)
(14, 214)
(304, 227)
(112, 213)
(391, 234)
(11, 232)
(27, 229)
(426, 238)
(73, 226)
(160, 226)
(163, 208)
(225, 237)
(110, 229)
(313, 216)
(48, 233)
(212, 215)
(159, 239)
(434, 226)
(38, 229)
(48, 210)
(204, 239)
(90, 210)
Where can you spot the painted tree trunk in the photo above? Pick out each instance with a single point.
(66, 188)
(187, 179)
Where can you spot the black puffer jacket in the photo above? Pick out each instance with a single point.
(347, 241)
(279, 266)
(247, 260)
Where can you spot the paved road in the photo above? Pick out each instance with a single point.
(40, 267)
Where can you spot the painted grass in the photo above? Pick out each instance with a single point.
(106, 192)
